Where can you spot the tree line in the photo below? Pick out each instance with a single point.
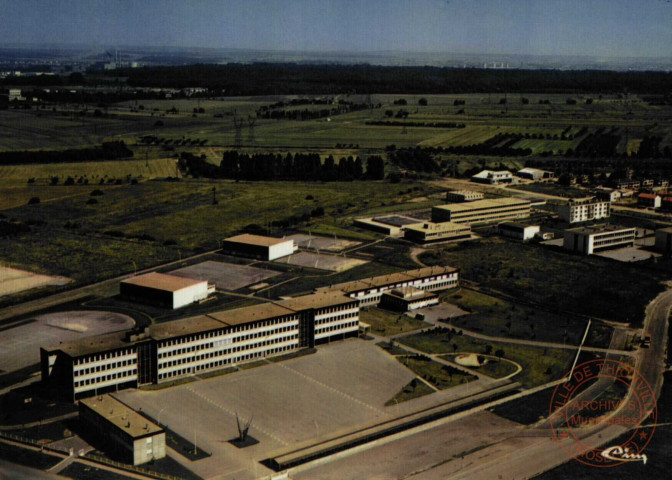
(289, 78)
(270, 166)
(106, 151)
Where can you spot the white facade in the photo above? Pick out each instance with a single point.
(280, 250)
(192, 294)
(493, 178)
(102, 370)
(518, 231)
(584, 210)
(589, 240)
(336, 320)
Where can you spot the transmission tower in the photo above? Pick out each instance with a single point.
(250, 128)
(238, 125)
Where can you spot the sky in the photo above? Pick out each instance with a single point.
(615, 28)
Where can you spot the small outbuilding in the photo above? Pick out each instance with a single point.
(130, 437)
(518, 231)
(408, 298)
(258, 246)
(168, 291)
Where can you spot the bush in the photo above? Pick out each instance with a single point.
(34, 200)
(97, 193)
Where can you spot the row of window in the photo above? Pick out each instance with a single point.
(106, 366)
(337, 308)
(104, 356)
(336, 318)
(237, 328)
(203, 356)
(106, 378)
(339, 326)
(225, 361)
(224, 341)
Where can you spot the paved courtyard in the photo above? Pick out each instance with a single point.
(323, 262)
(322, 243)
(225, 276)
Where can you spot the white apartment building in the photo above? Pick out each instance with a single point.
(597, 238)
(584, 210)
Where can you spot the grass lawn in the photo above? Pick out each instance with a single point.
(560, 282)
(493, 368)
(392, 348)
(386, 323)
(414, 389)
(441, 376)
(540, 365)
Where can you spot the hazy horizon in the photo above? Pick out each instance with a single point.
(585, 28)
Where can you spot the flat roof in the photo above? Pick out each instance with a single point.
(162, 281)
(87, 346)
(121, 416)
(438, 227)
(317, 300)
(396, 220)
(487, 203)
(253, 313)
(410, 293)
(185, 326)
(257, 240)
(598, 229)
(409, 275)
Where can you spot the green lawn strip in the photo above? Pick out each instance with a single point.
(441, 376)
(540, 365)
(386, 323)
(392, 348)
(414, 389)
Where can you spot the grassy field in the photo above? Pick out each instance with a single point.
(388, 323)
(414, 389)
(540, 365)
(498, 368)
(502, 318)
(553, 279)
(440, 376)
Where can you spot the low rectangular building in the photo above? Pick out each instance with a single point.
(518, 231)
(584, 210)
(391, 225)
(482, 211)
(408, 298)
(258, 246)
(167, 291)
(649, 200)
(131, 437)
(459, 196)
(369, 291)
(597, 238)
(608, 194)
(534, 174)
(493, 178)
(437, 232)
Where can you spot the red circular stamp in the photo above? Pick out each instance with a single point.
(603, 399)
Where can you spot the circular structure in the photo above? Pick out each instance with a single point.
(581, 414)
(469, 360)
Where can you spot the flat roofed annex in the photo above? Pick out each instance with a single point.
(258, 240)
(162, 281)
(119, 415)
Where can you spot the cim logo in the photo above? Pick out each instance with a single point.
(622, 454)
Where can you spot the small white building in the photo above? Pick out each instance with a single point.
(597, 238)
(258, 246)
(518, 231)
(534, 174)
(408, 298)
(649, 200)
(165, 290)
(492, 177)
(608, 194)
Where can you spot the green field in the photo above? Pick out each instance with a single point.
(388, 323)
(555, 280)
(440, 376)
(414, 389)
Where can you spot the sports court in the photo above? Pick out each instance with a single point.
(20, 341)
(13, 280)
(225, 276)
(332, 263)
(311, 242)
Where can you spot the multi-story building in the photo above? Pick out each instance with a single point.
(130, 436)
(584, 210)
(482, 211)
(172, 350)
(369, 291)
(597, 238)
(437, 232)
(459, 196)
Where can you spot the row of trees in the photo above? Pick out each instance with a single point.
(270, 166)
(107, 151)
(307, 114)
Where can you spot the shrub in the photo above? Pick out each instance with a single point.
(34, 200)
